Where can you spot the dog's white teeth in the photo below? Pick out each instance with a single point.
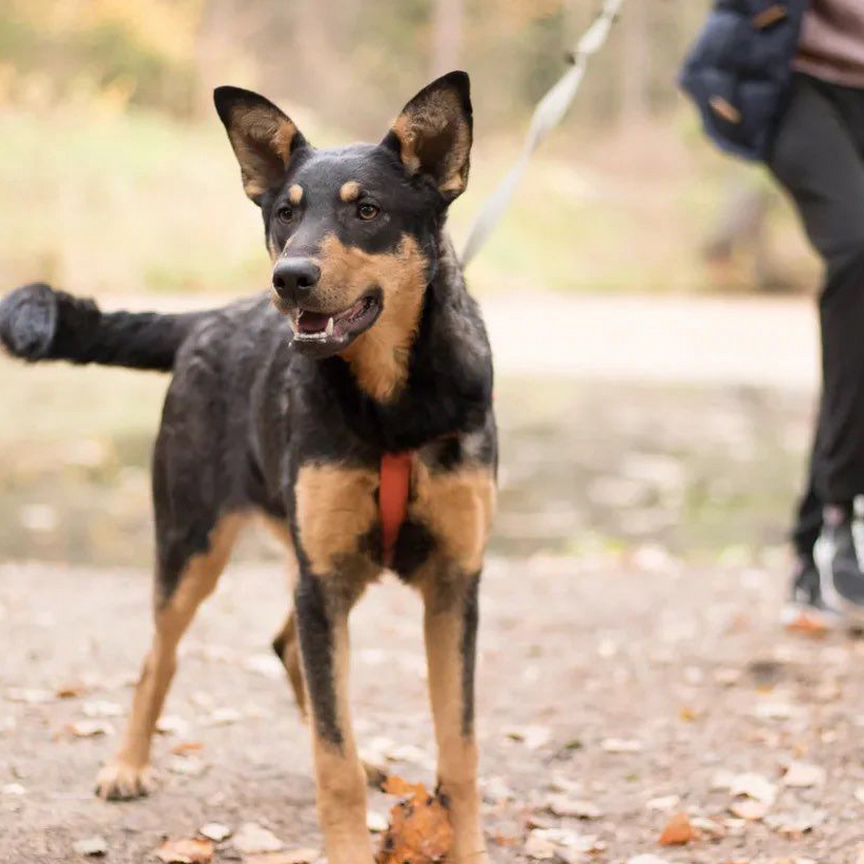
(329, 329)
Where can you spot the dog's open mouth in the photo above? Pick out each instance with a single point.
(325, 333)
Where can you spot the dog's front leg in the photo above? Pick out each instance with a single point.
(451, 616)
(322, 617)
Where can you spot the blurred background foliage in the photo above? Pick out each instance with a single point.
(117, 181)
(115, 176)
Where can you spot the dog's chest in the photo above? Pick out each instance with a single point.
(346, 518)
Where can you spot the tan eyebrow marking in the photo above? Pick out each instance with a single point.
(350, 191)
(295, 194)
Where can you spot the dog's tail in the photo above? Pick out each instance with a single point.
(39, 323)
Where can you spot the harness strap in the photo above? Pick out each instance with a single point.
(393, 499)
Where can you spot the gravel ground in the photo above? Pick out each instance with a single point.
(626, 689)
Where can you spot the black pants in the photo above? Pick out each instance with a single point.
(818, 156)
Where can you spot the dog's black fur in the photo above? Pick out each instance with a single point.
(252, 403)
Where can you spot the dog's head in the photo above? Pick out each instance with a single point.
(352, 231)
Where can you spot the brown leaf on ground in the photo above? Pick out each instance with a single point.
(186, 851)
(394, 785)
(420, 830)
(808, 625)
(186, 748)
(70, 691)
(678, 831)
(506, 841)
(85, 729)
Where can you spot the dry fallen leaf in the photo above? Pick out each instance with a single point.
(252, 838)
(803, 775)
(707, 826)
(578, 808)
(376, 822)
(753, 786)
(29, 695)
(70, 691)
(796, 824)
(89, 728)
(215, 831)
(91, 846)
(538, 848)
(395, 785)
(101, 708)
(188, 766)
(419, 832)
(169, 724)
(678, 831)
(186, 851)
(187, 748)
(663, 804)
(747, 808)
(808, 625)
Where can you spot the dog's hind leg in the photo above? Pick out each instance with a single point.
(127, 775)
(287, 648)
(286, 643)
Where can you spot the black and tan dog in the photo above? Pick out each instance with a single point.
(370, 370)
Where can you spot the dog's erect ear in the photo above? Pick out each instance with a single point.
(263, 138)
(432, 135)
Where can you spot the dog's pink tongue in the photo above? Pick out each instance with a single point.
(313, 322)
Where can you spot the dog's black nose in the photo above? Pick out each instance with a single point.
(294, 277)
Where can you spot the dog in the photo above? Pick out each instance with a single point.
(351, 407)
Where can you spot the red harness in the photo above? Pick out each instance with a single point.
(393, 499)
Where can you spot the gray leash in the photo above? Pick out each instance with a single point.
(547, 115)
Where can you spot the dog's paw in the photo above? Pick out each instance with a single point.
(119, 781)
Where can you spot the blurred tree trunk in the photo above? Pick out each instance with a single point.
(448, 32)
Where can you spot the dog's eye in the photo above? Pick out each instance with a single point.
(285, 213)
(367, 211)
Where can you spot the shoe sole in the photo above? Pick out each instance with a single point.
(823, 556)
(809, 621)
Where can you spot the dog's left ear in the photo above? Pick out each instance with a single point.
(433, 134)
(263, 138)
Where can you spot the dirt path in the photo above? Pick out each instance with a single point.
(686, 667)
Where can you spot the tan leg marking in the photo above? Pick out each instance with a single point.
(340, 776)
(335, 509)
(444, 630)
(127, 775)
(457, 507)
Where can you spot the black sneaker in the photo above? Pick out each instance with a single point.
(806, 611)
(839, 553)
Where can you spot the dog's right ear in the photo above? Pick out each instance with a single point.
(264, 139)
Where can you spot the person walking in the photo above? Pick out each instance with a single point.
(783, 82)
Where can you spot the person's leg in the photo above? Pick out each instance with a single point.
(817, 158)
